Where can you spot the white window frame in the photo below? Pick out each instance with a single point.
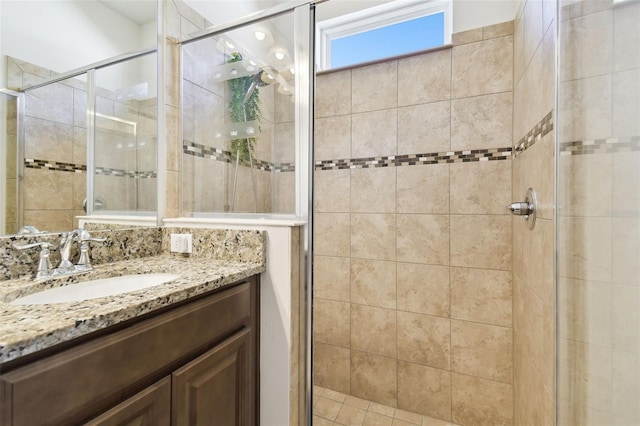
(386, 14)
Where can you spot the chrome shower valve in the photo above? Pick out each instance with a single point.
(526, 208)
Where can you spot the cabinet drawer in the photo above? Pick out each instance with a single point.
(83, 381)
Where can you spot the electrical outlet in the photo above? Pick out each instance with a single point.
(181, 243)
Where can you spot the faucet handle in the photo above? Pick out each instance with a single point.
(42, 244)
(95, 240)
(85, 262)
(85, 236)
(44, 263)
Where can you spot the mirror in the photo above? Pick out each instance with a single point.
(57, 37)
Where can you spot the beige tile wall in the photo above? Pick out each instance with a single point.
(49, 200)
(413, 263)
(9, 122)
(179, 20)
(533, 250)
(599, 219)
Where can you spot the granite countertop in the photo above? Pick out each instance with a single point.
(29, 328)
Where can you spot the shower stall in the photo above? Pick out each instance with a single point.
(430, 301)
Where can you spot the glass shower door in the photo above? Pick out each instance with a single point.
(125, 124)
(598, 299)
(238, 93)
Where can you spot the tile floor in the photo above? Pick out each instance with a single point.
(331, 408)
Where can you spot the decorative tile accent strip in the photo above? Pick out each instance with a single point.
(539, 131)
(468, 156)
(126, 173)
(81, 168)
(284, 167)
(152, 174)
(211, 153)
(474, 155)
(54, 165)
(601, 146)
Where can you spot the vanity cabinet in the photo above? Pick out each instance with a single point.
(151, 407)
(195, 364)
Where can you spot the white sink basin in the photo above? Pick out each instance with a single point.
(93, 289)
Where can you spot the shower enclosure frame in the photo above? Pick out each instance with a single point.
(89, 71)
(20, 110)
(304, 66)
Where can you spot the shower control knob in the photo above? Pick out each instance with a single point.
(520, 209)
(526, 208)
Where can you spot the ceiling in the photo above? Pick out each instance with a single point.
(140, 12)
(333, 8)
(144, 11)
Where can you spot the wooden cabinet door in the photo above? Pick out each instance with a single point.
(214, 389)
(150, 407)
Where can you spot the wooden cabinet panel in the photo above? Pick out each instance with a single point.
(151, 407)
(78, 383)
(215, 388)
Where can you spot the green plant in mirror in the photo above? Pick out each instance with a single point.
(243, 106)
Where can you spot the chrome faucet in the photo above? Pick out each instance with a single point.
(67, 239)
(65, 267)
(65, 250)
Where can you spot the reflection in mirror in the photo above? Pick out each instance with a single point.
(54, 167)
(8, 176)
(60, 36)
(67, 34)
(125, 137)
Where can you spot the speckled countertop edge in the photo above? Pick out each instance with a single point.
(29, 328)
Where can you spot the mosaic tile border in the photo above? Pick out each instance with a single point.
(467, 156)
(601, 146)
(126, 173)
(211, 153)
(33, 163)
(58, 166)
(539, 131)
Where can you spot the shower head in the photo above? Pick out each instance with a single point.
(259, 80)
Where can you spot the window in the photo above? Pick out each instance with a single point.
(392, 29)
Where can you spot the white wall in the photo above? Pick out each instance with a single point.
(467, 14)
(222, 11)
(470, 14)
(3, 62)
(64, 35)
